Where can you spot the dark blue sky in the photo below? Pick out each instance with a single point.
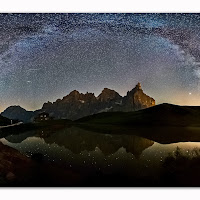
(45, 56)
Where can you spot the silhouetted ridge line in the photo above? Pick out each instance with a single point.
(76, 105)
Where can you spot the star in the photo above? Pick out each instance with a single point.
(57, 53)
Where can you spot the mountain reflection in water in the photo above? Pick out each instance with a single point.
(81, 149)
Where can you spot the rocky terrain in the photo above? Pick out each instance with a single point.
(77, 105)
(14, 166)
(19, 170)
(136, 99)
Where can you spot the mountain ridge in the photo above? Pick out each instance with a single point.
(17, 113)
(159, 115)
(76, 105)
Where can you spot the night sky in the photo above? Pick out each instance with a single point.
(43, 57)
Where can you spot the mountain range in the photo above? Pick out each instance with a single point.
(77, 105)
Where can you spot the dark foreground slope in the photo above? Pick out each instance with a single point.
(160, 115)
(5, 121)
(164, 123)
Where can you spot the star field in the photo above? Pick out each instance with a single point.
(43, 57)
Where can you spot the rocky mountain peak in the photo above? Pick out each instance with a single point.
(136, 99)
(138, 86)
(108, 94)
(74, 93)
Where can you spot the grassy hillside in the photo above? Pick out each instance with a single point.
(164, 123)
(160, 115)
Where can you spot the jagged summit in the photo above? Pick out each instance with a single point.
(108, 94)
(74, 92)
(136, 99)
(138, 86)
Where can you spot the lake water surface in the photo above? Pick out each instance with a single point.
(80, 149)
